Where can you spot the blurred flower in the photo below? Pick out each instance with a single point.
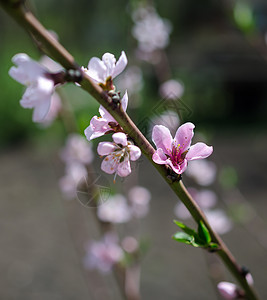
(228, 290)
(206, 199)
(130, 244)
(77, 150)
(106, 69)
(39, 85)
(171, 89)
(151, 31)
(131, 80)
(75, 172)
(105, 123)
(202, 171)
(115, 210)
(139, 198)
(53, 111)
(119, 153)
(102, 255)
(176, 152)
(168, 118)
(219, 220)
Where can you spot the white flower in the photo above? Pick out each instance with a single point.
(105, 123)
(77, 149)
(151, 31)
(75, 172)
(219, 220)
(102, 255)
(114, 210)
(39, 86)
(171, 89)
(139, 198)
(101, 70)
(202, 171)
(228, 290)
(119, 153)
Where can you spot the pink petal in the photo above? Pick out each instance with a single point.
(109, 165)
(159, 157)
(20, 58)
(124, 101)
(106, 115)
(199, 151)
(97, 69)
(120, 138)
(124, 168)
(41, 110)
(135, 152)
(109, 60)
(120, 65)
(179, 169)
(184, 135)
(105, 148)
(162, 138)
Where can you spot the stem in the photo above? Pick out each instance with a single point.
(60, 54)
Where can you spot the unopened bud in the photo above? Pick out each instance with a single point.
(228, 290)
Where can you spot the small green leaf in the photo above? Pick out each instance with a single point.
(183, 237)
(213, 246)
(203, 233)
(185, 228)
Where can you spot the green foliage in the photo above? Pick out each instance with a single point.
(189, 236)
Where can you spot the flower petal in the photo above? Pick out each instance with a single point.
(124, 168)
(109, 164)
(162, 138)
(105, 148)
(159, 157)
(41, 110)
(199, 151)
(106, 115)
(120, 65)
(135, 152)
(97, 69)
(120, 138)
(124, 101)
(109, 60)
(184, 135)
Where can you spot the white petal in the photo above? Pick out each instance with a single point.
(120, 65)
(124, 168)
(135, 152)
(109, 164)
(97, 69)
(120, 138)
(124, 101)
(105, 148)
(109, 61)
(41, 110)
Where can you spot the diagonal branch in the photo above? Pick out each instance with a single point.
(54, 49)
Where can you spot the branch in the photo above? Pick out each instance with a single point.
(54, 49)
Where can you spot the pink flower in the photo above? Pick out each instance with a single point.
(39, 86)
(171, 89)
(102, 255)
(178, 151)
(105, 123)
(228, 290)
(102, 70)
(119, 153)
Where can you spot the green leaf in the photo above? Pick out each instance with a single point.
(185, 228)
(183, 237)
(213, 246)
(203, 233)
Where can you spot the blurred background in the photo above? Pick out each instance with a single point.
(216, 51)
